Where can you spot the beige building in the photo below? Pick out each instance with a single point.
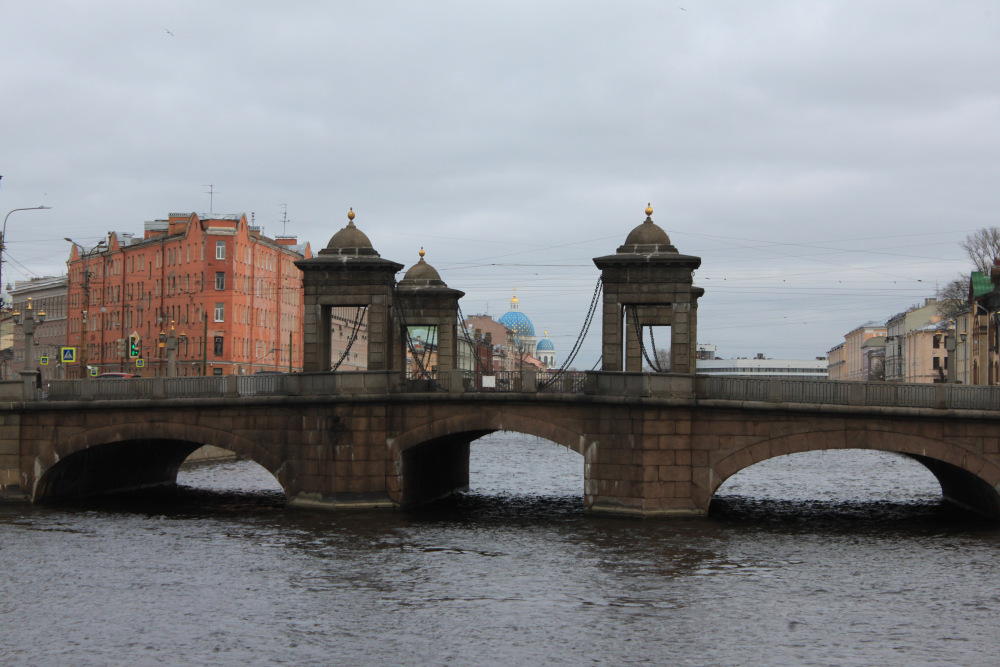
(925, 357)
(6, 343)
(896, 339)
(853, 355)
(835, 362)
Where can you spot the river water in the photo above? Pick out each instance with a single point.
(826, 558)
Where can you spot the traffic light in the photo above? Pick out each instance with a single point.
(133, 346)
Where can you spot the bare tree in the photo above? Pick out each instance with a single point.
(983, 246)
(953, 297)
(661, 358)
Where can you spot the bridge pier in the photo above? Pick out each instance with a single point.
(962, 488)
(10, 457)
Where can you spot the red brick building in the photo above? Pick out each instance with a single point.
(235, 295)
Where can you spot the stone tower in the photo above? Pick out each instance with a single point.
(648, 283)
(348, 272)
(425, 300)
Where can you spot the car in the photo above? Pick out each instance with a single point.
(111, 376)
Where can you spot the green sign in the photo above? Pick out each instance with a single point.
(67, 355)
(44, 360)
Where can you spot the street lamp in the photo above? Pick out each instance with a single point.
(28, 321)
(3, 235)
(172, 341)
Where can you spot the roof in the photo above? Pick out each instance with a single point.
(518, 322)
(981, 284)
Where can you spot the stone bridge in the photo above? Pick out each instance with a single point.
(651, 444)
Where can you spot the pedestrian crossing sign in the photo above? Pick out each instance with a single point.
(44, 360)
(67, 355)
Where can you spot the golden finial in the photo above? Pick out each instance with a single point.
(649, 210)
(421, 253)
(513, 299)
(350, 215)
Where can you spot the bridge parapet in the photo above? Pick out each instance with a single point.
(670, 385)
(594, 383)
(858, 394)
(11, 390)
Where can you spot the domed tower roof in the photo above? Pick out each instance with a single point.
(517, 321)
(349, 241)
(648, 238)
(422, 274)
(545, 345)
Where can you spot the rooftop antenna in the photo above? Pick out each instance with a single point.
(284, 218)
(211, 197)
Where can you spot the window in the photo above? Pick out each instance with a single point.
(218, 346)
(220, 312)
(220, 249)
(220, 280)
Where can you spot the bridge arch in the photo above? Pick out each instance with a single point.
(432, 459)
(138, 455)
(488, 421)
(967, 479)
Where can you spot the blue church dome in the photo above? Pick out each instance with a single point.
(518, 322)
(545, 345)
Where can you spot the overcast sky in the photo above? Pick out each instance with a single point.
(824, 159)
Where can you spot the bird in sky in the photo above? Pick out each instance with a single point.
(169, 33)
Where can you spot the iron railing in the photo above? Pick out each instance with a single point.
(686, 387)
(876, 394)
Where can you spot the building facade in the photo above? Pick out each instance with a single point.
(812, 369)
(897, 368)
(835, 362)
(854, 370)
(47, 295)
(231, 296)
(499, 338)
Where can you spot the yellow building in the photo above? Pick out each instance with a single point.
(835, 362)
(853, 355)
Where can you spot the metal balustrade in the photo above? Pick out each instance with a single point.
(764, 390)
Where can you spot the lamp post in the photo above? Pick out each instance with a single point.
(172, 341)
(86, 303)
(3, 234)
(28, 321)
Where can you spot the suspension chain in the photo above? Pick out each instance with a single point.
(642, 345)
(594, 301)
(354, 336)
(472, 345)
(397, 302)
